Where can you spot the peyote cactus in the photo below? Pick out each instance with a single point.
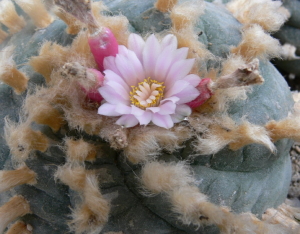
(109, 128)
(289, 36)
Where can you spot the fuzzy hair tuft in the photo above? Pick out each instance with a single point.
(270, 15)
(256, 43)
(158, 177)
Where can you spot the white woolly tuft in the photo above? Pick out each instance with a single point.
(16, 207)
(10, 179)
(37, 12)
(218, 133)
(6, 59)
(160, 177)
(147, 142)
(257, 43)
(270, 15)
(10, 18)
(186, 202)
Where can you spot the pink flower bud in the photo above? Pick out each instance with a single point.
(102, 44)
(93, 94)
(205, 93)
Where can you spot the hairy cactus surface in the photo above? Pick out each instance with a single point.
(218, 162)
(289, 36)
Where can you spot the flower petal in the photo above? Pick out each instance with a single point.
(123, 50)
(108, 110)
(145, 118)
(193, 79)
(179, 70)
(112, 76)
(127, 71)
(111, 96)
(110, 64)
(127, 121)
(173, 99)
(177, 118)
(178, 86)
(136, 44)
(153, 109)
(169, 40)
(164, 121)
(187, 95)
(180, 54)
(167, 108)
(136, 111)
(183, 110)
(151, 52)
(122, 109)
(163, 64)
(118, 89)
(137, 66)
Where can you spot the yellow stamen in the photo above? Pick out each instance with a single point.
(147, 93)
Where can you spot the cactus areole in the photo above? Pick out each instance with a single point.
(141, 87)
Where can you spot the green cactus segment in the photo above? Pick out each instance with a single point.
(250, 179)
(290, 33)
(9, 104)
(294, 8)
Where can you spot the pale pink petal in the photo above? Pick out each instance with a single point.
(145, 118)
(137, 66)
(193, 79)
(153, 109)
(123, 109)
(119, 89)
(183, 110)
(164, 121)
(136, 111)
(177, 118)
(108, 110)
(178, 71)
(187, 95)
(102, 44)
(127, 71)
(167, 108)
(151, 52)
(127, 121)
(169, 40)
(163, 64)
(180, 54)
(123, 50)
(112, 76)
(110, 64)
(136, 44)
(111, 96)
(172, 99)
(177, 87)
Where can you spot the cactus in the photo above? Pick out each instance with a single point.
(221, 165)
(289, 36)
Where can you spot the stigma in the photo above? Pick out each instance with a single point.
(147, 93)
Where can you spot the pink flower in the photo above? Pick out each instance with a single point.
(149, 82)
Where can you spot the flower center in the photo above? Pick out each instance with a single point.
(147, 93)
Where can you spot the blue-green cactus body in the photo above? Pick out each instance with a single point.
(249, 179)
